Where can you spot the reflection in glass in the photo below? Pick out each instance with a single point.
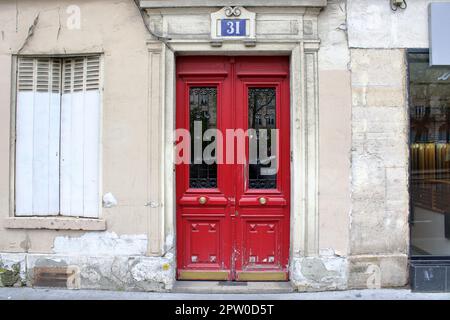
(430, 157)
(203, 113)
(262, 115)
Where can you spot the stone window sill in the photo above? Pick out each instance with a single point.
(55, 223)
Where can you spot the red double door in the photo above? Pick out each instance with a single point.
(233, 171)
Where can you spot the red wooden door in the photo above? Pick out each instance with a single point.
(233, 168)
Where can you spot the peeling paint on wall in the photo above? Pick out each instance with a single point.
(101, 243)
(139, 273)
(109, 200)
(319, 273)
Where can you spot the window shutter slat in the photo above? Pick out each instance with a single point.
(93, 73)
(43, 75)
(56, 76)
(67, 75)
(25, 81)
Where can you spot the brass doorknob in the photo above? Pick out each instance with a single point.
(202, 200)
(262, 200)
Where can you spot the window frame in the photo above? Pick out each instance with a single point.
(410, 216)
(12, 217)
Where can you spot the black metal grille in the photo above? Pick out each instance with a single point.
(262, 115)
(203, 110)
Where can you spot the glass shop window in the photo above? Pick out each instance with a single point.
(429, 109)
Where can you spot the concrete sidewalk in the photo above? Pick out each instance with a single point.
(63, 294)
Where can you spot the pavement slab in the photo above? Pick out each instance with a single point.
(64, 294)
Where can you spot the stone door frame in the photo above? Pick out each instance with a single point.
(304, 125)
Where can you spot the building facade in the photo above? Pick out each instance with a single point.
(94, 95)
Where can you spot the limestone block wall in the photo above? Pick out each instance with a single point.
(379, 218)
(378, 39)
(355, 53)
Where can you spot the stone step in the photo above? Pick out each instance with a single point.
(231, 287)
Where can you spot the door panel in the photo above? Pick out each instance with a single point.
(263, 185)
(204, 240)
(233, 215)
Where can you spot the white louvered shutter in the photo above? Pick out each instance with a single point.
(80, 137)
(37, 136)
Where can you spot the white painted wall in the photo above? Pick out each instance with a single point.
(372, 24)
(101, 244)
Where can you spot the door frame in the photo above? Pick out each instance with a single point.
(304, 138)
(233, 77)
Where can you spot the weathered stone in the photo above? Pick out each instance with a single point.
(334, 53)
(379, 217)
(12, 269)
(374, 272)
(372, 24)
(319, 273)
(378, 96)
(134, 273)
(52, 223)
(102, 243)
(384, 68)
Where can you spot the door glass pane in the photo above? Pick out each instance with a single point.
(262, 138)
(203, 116)
(430, 157)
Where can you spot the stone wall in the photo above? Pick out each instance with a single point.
(379, 230)
(105, 272)
(329, 270)
(379, 153)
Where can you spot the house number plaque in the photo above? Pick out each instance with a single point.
(233, 23)
(233, 27)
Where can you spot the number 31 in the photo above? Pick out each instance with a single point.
(233, 27)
